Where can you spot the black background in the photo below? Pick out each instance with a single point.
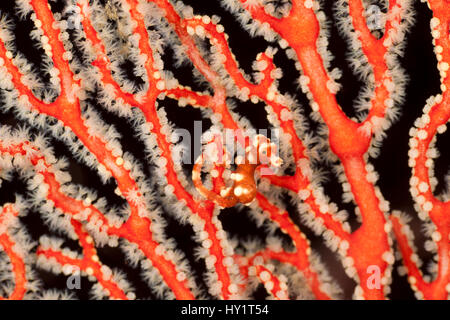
(418, 61)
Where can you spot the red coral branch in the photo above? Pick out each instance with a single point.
(89, 263)
(9, 246)
(351, 141)
(433, 121)
(300, 30)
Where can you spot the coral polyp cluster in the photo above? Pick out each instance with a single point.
(99, 102)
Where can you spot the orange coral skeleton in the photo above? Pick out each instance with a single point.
(230, 272)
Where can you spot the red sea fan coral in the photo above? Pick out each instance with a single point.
(227, 149)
